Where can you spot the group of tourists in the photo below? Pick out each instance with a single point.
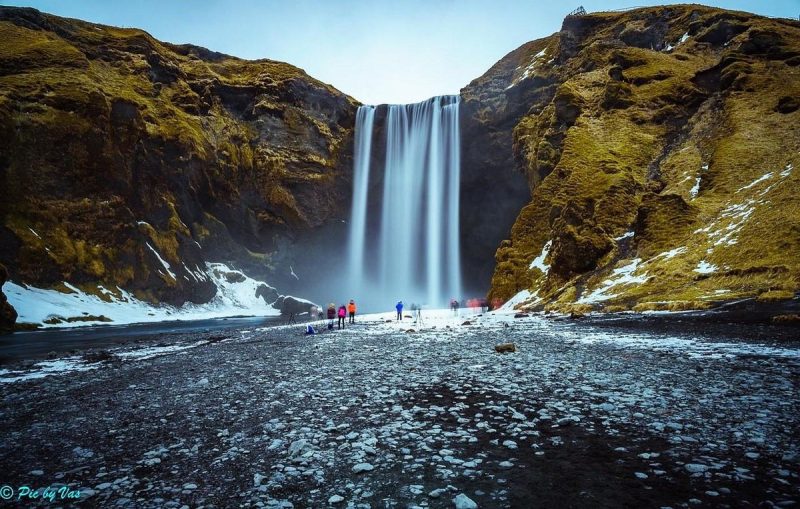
(474, 304)
(333, 314)
(340, 314)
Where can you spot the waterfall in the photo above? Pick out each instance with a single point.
(358, 215)
(414, 249)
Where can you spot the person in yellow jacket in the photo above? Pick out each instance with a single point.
(351, 308)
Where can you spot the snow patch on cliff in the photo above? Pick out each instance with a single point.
(621, 276)
(538, 262)
(516, 300)
(235, 296)
(529, 69)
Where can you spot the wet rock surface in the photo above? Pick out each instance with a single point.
(8, 315)
(579, 416)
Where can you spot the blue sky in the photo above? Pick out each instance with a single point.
(377, 51)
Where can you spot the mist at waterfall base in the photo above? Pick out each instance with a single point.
(403, 239)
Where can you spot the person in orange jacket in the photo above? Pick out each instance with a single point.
(351, 308)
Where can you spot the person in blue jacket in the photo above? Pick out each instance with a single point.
(399, 308)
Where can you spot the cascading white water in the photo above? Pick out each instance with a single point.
(415, 247)
(358, 216)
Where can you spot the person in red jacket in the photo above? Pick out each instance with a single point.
(351, 309)
(342, 315)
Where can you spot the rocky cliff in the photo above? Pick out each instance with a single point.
(126, 162)
(646, 160)
(661, 148)
(8, 315)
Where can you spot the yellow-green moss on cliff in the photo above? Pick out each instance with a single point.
(663, 167)
(110, 140)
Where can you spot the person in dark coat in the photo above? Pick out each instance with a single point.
(331, 315)
(399, 308)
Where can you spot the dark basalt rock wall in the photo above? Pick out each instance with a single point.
(8, 315)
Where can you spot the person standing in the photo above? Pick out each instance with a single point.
(342, 315)
(399, 308)
(351, 308)
(331, 315)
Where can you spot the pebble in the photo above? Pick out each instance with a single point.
(695, 468)
(362, 467)
(297, 447)
(335, 499)
(510, 444)
(462, 501)
(437, 492)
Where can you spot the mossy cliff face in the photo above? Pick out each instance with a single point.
(117, 149)
(8, 316)
(661, 147)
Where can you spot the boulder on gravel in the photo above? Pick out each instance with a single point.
(505, 348)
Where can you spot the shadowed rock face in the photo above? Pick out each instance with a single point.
(660, 148)
(115, 146)
(493, 190)
(8, 316)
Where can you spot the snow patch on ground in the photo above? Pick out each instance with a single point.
(35, 305)
(155, 351)
(47, 368)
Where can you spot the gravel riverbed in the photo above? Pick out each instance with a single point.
(381, 416)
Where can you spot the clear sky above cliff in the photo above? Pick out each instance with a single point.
(377, 51)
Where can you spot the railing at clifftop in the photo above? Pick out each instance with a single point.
(580, 11)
